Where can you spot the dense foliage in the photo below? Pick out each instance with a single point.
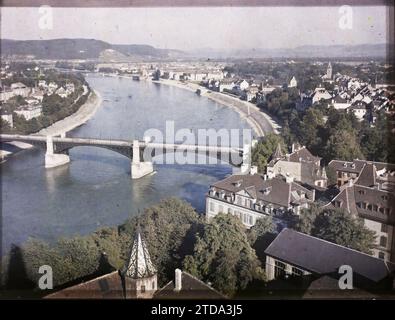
(223, 256)
(336, 226)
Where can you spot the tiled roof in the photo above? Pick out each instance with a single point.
(191, 288)
(323, 257)
(108, 286)
(304, 155)
(275, 191)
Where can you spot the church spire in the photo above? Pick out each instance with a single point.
(278, 153)
(139, 264)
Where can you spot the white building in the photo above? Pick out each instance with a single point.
(320, 94)
(250, 197)
(19, 89)
(9, 118)
(29, 112)
(227, 84)
(293, 83)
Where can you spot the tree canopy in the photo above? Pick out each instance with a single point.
(223, 256)
(337, 226)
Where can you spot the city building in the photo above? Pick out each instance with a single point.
(7, 116)
(315, 264)
(226, 84)
(6, 93)
(369, 194)
(293, 83)
(251, 93)
(300, 164)
(347, 170)
(329, 73)
(19, 89)
(138, 280)
(250, 197)
(320, 94)
(359, 108)
(340, 103)
(29, 111)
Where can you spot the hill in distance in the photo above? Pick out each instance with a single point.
(64, 49)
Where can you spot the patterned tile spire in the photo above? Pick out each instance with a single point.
(139, 264)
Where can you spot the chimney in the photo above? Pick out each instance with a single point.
(253, 170)
(178, 280)
(293, 148)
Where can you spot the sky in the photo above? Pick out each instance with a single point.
(192, 28)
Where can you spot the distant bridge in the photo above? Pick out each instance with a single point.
(140, 153)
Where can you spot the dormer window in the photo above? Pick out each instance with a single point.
(238, 183)
(353, 166)
(345, 165)
(266, 191)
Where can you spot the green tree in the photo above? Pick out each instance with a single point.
(223, 256)
(262, 227)
(307, 219)
(337, 226)
(340, 227)
(264, 149)
(343, 145)
(312, 122)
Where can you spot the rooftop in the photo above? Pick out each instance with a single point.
(323, 257)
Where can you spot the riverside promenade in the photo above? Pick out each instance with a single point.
(259, 121)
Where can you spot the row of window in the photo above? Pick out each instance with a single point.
(373, 207)
(244, 217)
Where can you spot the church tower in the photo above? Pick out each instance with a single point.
(329, 71)
(139, 276)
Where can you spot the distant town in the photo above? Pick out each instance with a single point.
(319, 193)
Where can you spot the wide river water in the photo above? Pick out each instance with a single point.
(95, 188)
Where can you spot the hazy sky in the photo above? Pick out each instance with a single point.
(189, 28)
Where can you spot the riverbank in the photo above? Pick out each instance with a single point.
(84, 113)
(81, 116)
(259, 121)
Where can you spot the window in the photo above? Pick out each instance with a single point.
(142, 289)
(153, 285)
(375, 207)
(279, 269)
(212, 206)
(385, 197)
(220, 209)
(384, 228)
(239, 201)
(370, 207)
(383, 241)
(363, 205)
(251, 220)
(297, 272)
(381, 255)
(229, 211)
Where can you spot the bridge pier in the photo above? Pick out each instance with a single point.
(246, 164)
(52, 159)
(139, 168)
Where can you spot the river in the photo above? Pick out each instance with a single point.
(95, 188)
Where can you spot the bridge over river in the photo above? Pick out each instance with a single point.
(140, 153)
